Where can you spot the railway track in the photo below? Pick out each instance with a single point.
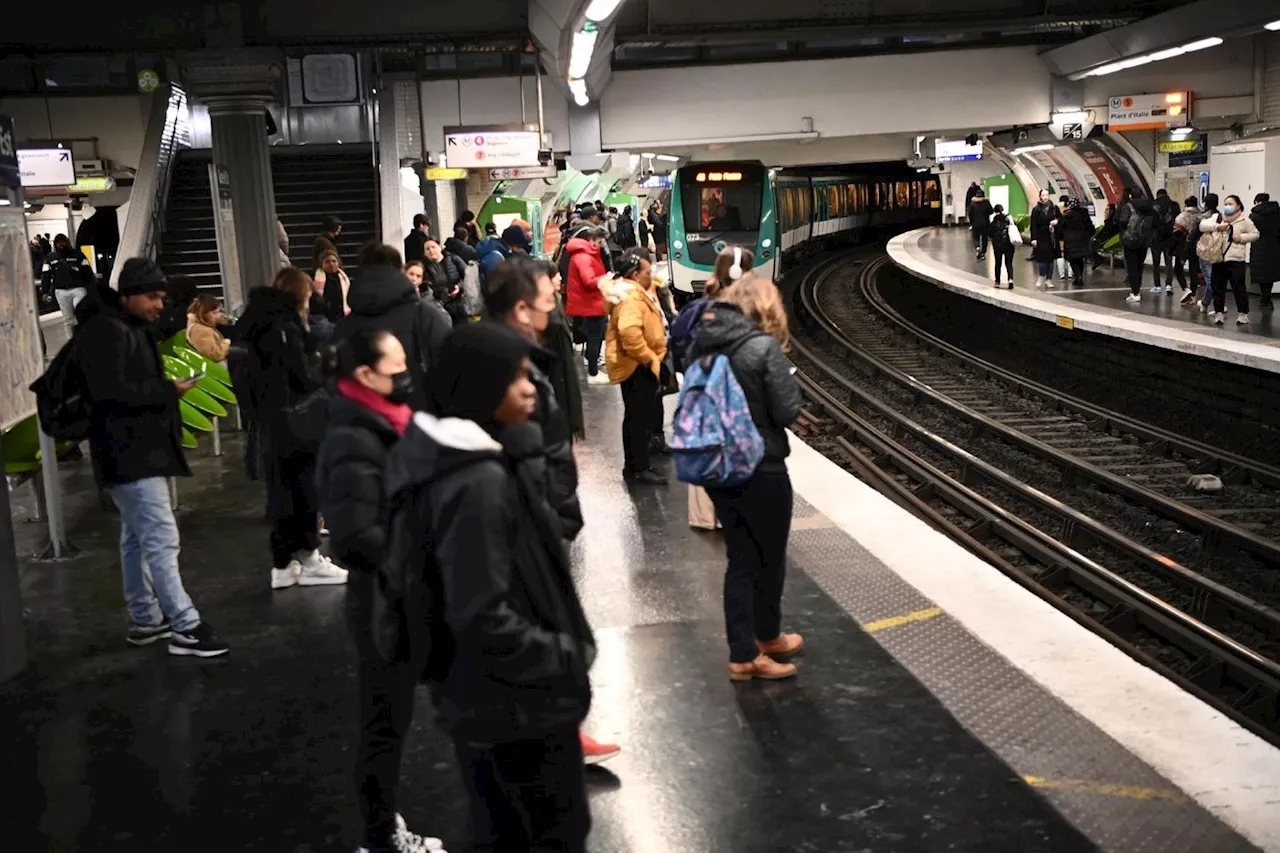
(1083, 506)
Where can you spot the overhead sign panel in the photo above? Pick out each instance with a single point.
(46, 167)
(956, 151)
(522, 173)
(486, 148)
(1149, 112)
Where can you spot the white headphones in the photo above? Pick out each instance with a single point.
(735, 271)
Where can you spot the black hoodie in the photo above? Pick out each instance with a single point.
(279, 368)
(383, 298)
(135, 430)
(485, 598)
(761, 368)
(1264, 255)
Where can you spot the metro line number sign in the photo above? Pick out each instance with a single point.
(1149, 112)
(483, 148)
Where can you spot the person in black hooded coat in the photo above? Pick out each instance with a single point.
(477, 582)
(1264, 255)
(1077, 237)
(382, 297)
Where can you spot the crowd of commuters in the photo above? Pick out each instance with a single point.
(1206, 249)
(438, 448)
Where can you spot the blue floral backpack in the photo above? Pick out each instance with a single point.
(715, 441)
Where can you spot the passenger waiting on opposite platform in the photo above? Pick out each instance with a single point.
(367, 416)
(1186, 229)
(1165, 242)
(1264, 255)
(1206, 267)
(747, 323)
(979, 214)
(1237, 229)
(635, 352)
(1044, 218)
(1104, 234)
(383, 298)
(283, 375)
(1061, 268)
(477, 568)
(204, 335)
(1136, 220)
(1077, 238)
(1002, 242)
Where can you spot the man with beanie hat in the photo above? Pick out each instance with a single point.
(135, 436)
(495, 250)
(487, 600)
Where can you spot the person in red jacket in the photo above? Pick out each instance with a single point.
(583, 299)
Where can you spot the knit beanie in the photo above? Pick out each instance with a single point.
(139, 275)
(473, 369)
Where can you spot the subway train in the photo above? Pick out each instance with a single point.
(774, 213)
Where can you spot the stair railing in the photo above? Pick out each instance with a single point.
(168, 131)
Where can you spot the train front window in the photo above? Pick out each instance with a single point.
(721, 201)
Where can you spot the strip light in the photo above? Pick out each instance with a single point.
(599, 10)
(584, 45)
(1274, 26)
(579, 90)
(1169, 53)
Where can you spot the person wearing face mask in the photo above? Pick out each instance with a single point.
(477, 581)
(1236, 231)
(1044, 220)
(367, 416)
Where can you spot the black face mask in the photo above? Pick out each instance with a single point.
(401, 387)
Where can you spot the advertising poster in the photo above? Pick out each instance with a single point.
(1073, 186)
(1102, 168)
(1132, 174)
(21, 359)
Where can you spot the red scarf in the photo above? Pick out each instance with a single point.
(397, 415)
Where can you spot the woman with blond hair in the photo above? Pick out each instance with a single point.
(747, 323)
(333, 285)
(284, 389)
(203, 335)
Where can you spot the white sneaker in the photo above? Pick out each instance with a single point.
(1168, 288)
(1133, 298)
(286, 577)
(1204, 309)
(598, 379)
(1242, 320)
(320, 571)
(1218, 318)
(1049, 284)
(412, 842)
(1039, 281)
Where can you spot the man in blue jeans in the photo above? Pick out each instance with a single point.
(135, 436)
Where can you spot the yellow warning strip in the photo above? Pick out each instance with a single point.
(1103, 789)
(904, 619)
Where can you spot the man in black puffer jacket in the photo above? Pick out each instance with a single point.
(1264, 255)
(382, 297)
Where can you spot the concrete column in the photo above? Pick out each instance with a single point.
(237, 86)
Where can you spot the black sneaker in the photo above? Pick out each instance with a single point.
(145, 635)
(649, 477)
(199, 642)
(659, 448)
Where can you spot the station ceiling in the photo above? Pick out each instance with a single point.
(649, 32)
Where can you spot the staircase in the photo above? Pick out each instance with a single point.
(310, 183)
(313, 182)
(188, 244)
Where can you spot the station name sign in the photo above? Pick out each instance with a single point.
(1149, 112)
(443, 173)
(491, 147)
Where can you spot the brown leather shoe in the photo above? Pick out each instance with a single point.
(782, 646)
(762, 667)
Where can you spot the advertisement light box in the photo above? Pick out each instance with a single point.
(956, 151)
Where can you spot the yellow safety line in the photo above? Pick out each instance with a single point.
(1103, 789)
(905, 619)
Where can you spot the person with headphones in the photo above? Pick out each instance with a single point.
(731, 265)
(635, 347)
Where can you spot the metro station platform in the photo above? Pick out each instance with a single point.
(945, 257)
(938, 706)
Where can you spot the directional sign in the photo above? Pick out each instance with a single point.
(523, 173)
(1073, 131)
(481, 149)
(46, 167)
(441, 173)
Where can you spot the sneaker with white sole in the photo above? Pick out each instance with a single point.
(286, 577)
(1188, 297)
(145, 635)
(1133, 298)
(1168, 288)
(1048, 283)
(1156, 288)
(598, 379)
(198, 642)
(320, 571)
(1204, 309)
(414, 843)
(1219, 318)
(1242, 320)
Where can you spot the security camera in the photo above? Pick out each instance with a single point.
(922, 163)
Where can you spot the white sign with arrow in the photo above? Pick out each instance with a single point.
(46, 167)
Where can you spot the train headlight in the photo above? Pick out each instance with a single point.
(766, 242)
(678, 244)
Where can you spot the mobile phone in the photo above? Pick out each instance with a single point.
(201, 375)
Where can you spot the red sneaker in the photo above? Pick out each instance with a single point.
(594, 752)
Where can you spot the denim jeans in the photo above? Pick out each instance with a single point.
(1206, 270)
(149, 555)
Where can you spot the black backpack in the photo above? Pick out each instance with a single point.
(1166, 213)
(1139, 230)
(62, 400)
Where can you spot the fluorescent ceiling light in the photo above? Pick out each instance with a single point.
(1182, 131)
(1134, 62)
(1274, 26)
(584, 44)
(1202, 44)
(1108, 69)
(668, 157)
(648, 154)
(579, 90)
(1075, 117)
(601, 9)
(1168, 54)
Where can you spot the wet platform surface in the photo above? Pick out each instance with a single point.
(111, 748)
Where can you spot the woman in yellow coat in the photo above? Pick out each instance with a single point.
(635, 348)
